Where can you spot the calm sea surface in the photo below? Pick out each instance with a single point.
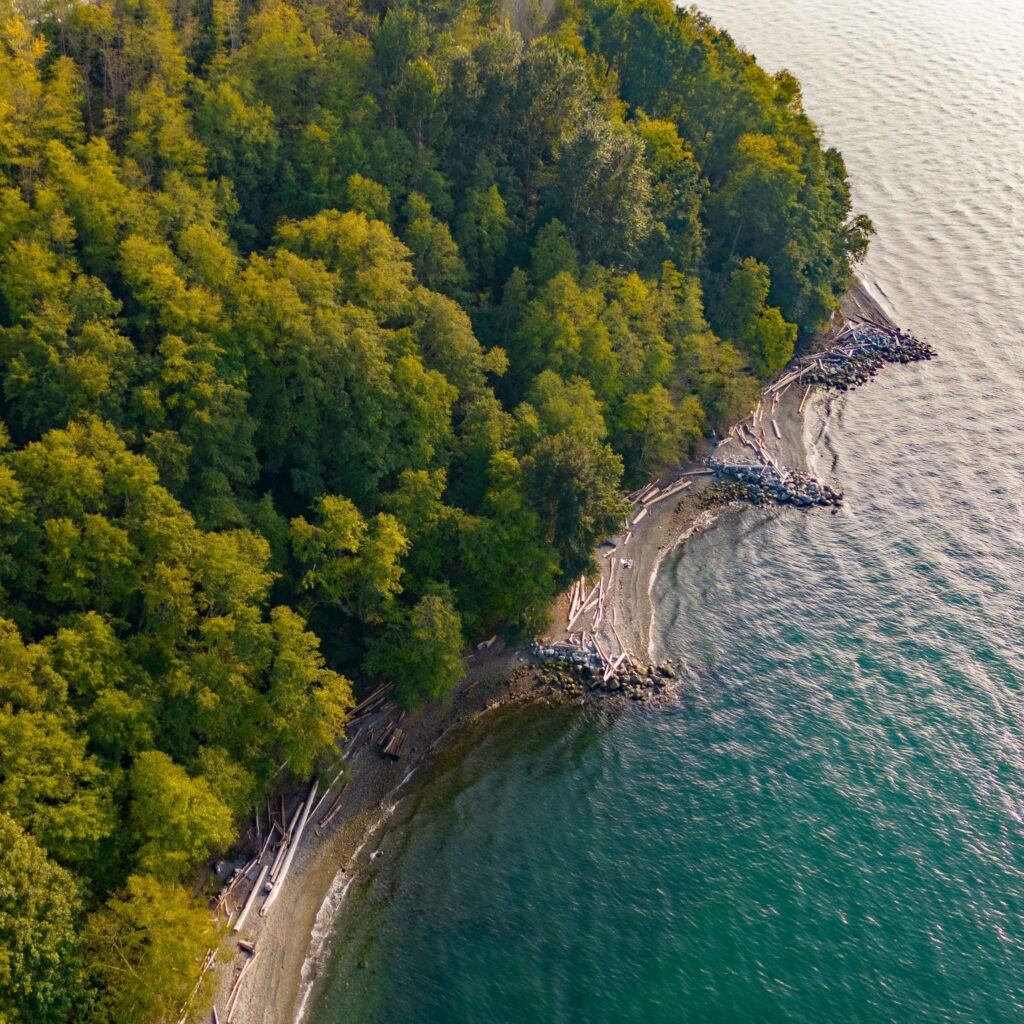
(829, 827)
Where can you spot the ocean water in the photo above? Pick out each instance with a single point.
(829, 825)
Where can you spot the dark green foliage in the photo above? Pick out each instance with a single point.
(39, 904)
(328, 339)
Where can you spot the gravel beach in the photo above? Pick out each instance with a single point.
(276, 985)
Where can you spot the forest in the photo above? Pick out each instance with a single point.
(331, 333)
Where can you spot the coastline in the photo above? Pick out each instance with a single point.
(280, 978)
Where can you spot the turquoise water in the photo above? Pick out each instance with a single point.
(829, 825)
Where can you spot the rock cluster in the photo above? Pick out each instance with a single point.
(848, 366)
(567, 654)
(766, 484)
(571, 681)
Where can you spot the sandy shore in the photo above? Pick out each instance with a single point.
(276, 984)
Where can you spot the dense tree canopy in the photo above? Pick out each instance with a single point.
(330, 334)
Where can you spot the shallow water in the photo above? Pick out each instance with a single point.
(830, 824)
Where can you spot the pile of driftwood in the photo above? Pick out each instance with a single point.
(763, 484)
(278, 844)
(857, 353)
(392, 741)
(373, 703)
(861, 351)
(584, 650)
(584, 600)
(654, 493)
(587, 618)
(277, 835)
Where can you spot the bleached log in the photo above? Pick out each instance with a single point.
(613, 667)
(229, 1009)
(644, 491)
(247, 906)
(286, 842)
(639, 516)
(327, 791)
(622, 645)
(292, 847)
(590, 604)
(673, 491)
(775, 427)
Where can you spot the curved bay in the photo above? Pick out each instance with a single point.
(829, 825)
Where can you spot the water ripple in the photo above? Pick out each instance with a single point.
(829, 825)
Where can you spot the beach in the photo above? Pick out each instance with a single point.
(278, 980)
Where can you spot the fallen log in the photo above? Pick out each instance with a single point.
(612, 668)
(327, 791)
(621, 644)
(292, 847)
(675, 490)
(590, 604)
(285, 841)
(380, 691)
(229, 1009)
(247, 906)
(393, 748)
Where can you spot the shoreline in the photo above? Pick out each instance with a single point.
(283, 972)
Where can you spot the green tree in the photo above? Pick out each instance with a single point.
(603, 192)
(307, 702)
(567, 407)
(421, 651)
(744, 317)
(562, 330)
(369, 198)
(574, 485)
(39, 908)
(176, 819)
(143, 951)
(657, 431)
(435, 255)
(483, 231)
(350, 563)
